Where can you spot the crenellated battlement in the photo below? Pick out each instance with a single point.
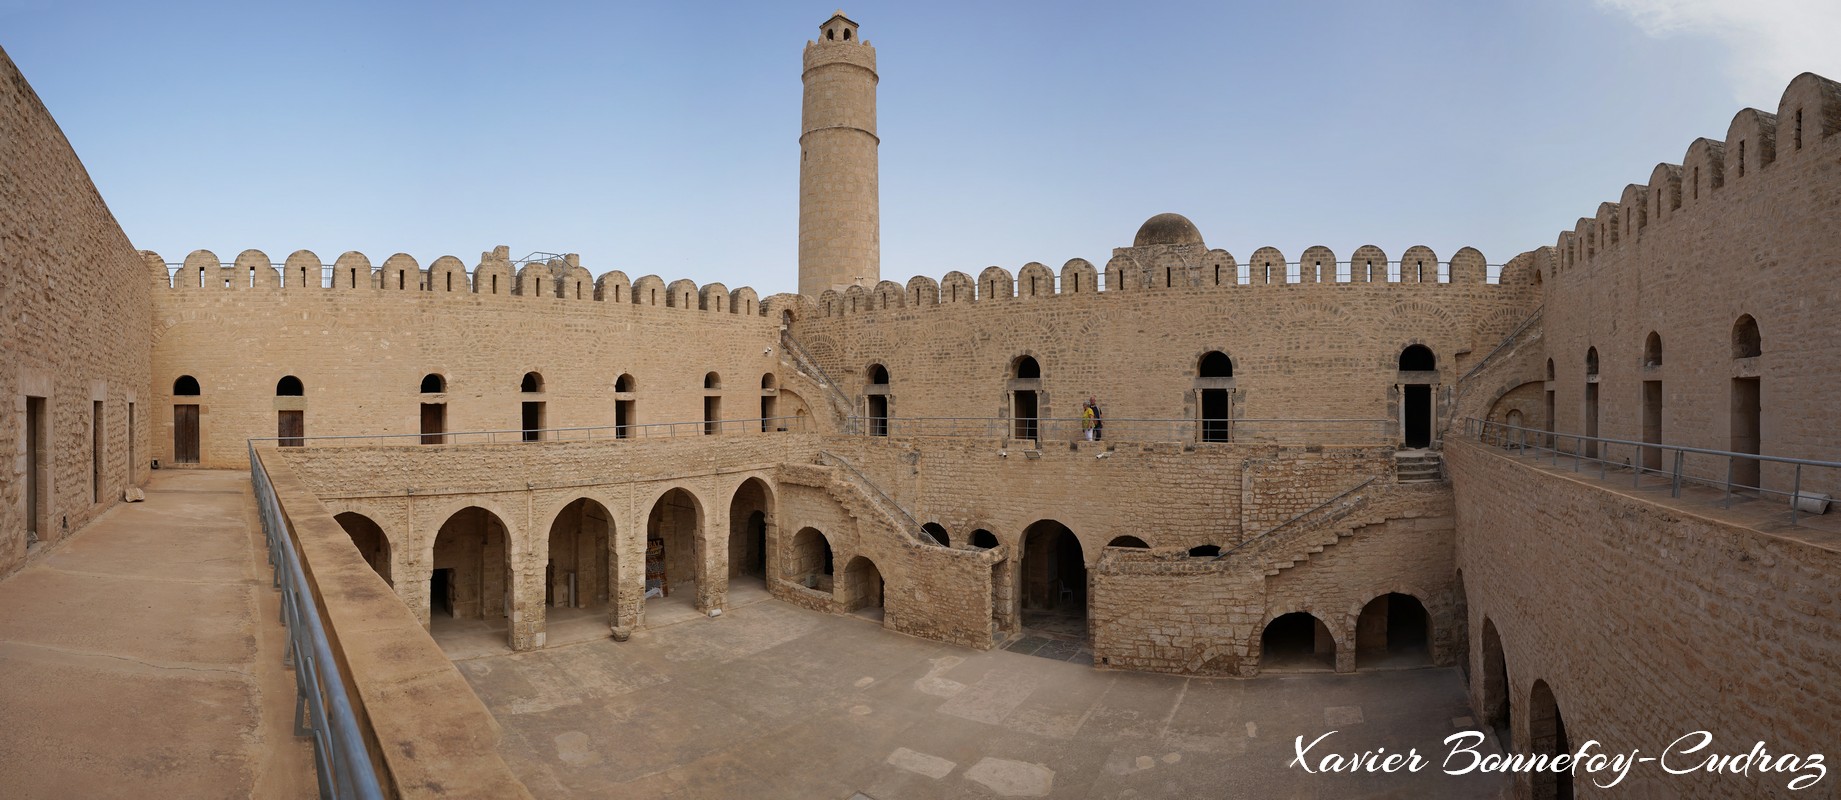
(1757, 144)
(1175, 267)
(558, 278)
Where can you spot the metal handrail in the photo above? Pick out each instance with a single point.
(1524, 438)
(1533, 317)
(1287, 523)
(915, 529)
(650, 430)
(803, 359)
(1225, 431)
(323, 706)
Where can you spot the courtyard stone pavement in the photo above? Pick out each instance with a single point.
(773, 701)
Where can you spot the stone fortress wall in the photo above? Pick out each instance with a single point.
(1744, 228)
(1308, 349)
(73, 338)
(362, 341)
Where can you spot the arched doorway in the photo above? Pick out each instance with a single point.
(579, 576)
(1052, 582)
(1296, 641)
(1747, 403)
(624, 417)
(185, 420)
(470, 586)
(862, 594)
(1547, 737)
(876, 400)
(1496, 710)
(674, 549)
(1214, 383)
(1393, 630)
(750, 512)
(370, 540)
(1418, 373)
(809, 564)
(531, 410)
(1025, 398)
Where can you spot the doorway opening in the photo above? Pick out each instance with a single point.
(1393, 630)
(1053, 583)
(1296, 641)
(1747, 430)
(36, 473)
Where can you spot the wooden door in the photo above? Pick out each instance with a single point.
(291, 426)
(185, 434)
(434, 423)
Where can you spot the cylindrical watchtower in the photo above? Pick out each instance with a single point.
(840, 239)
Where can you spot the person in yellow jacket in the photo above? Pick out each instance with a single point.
(1089, 419)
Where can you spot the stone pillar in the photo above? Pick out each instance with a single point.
(840, 240)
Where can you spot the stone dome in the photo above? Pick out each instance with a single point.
(1167, 229)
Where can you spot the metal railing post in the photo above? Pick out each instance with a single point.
(1796, 491)
(1676, 492)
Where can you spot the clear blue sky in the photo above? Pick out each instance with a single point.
(662, 138)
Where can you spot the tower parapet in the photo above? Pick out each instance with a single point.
(840, 241)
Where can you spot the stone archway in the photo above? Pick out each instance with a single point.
(582, 569)
(370, 540)
(470, 576)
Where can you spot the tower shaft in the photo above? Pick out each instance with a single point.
(840, 241)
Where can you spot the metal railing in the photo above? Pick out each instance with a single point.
(323, 706)
(597, 433)
(1647, 458)
(1336, 514)
(1070, 429)
(915, 528)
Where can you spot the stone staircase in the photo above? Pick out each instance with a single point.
(867, 503)
(1418, 466)
(1296, 541)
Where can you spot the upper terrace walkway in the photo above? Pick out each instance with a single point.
(143, 656)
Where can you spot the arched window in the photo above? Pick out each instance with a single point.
(1549, 369)
(1205, 551)
(186, 386)
(533, 382)
(1591, 361)
(712, 381)
(624, 383)
(938, 532)
(433, 383)
(1745, 340)
(878, 375)
(767, 381)
(289, 386)
(984, 539)
(1418, 358)
(1027, 368)
(1128, 541)
(1652, 350)
(1215, 364)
